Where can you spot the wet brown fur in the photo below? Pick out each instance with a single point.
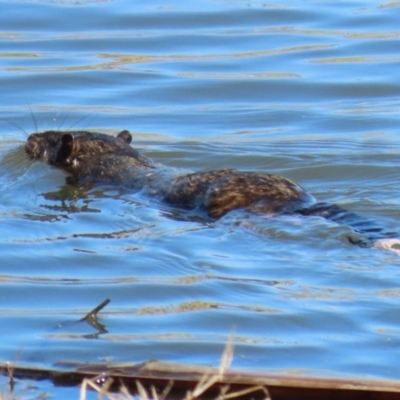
(95, 158)
(221, 191)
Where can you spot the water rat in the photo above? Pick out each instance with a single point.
(95, 158)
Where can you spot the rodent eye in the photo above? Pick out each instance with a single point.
(67, 162)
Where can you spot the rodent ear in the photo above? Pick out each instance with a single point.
(67, 145)
(67, 139)
(125, 136)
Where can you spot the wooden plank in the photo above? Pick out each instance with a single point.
(186, 377)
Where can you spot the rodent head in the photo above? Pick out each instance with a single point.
(42, 146)
(64, 149)
(75, 148)
(88, 156)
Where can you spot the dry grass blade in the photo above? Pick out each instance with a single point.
(125, 392)
(227, 355)
(154, 394)
(101, 390)
(222, 392)
(141, 391)
(10, 372)
(84, 386)
(209, 380)
(166, 390)
(243, 392)
(206, 382)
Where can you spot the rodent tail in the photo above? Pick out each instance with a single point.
(369, 230)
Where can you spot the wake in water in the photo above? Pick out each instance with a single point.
(98, 159)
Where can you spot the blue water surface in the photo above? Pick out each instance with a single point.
(306, 89)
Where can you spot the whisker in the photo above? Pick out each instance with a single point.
(13, 124)
(33, 117)
(77, 122)
(63, 121)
